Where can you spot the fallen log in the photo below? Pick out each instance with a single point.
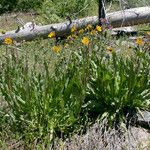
(127, 17)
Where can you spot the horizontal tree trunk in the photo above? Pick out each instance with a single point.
(127, 17)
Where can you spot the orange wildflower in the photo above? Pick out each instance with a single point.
(73, 29)
(99, 28)
(56, 49)
(139, 41)
(51, 34)
(85, 41)
(8, 41)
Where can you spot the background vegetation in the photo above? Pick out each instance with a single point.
(61, 7)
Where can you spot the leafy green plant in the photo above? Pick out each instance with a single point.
(118, 85)
(7, 5)
(54, 11)
(38, 102)
(24, 5)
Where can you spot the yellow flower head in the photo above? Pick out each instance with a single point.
(139, 41)
(56, 49)
(85, 41)
(73, 29)
(89, 27)
(8, 41)
(81, 31)
(52, 34)
(93, 32)
(110, 49)
(99, 28)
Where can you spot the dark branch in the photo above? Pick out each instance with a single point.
(101, 11)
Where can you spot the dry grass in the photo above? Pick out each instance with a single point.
(96, 138)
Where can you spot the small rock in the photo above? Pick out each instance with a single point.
(144, 119)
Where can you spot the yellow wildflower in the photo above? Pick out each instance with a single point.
(73, 29)
(56, 49)
(89, 27)
(93, 32)
(81, 31)
(85, 41)
(99, 28)
(51, 34)
(110, 49)
(8, 41)
(139, 41)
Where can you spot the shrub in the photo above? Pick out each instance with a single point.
(53, 11)
(25, 5)
(7, 5)
(19, 5)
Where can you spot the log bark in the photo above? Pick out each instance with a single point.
(127, 17)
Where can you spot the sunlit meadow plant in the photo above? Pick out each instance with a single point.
(118, 86)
